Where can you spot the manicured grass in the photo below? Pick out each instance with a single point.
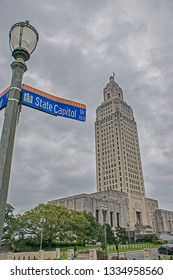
(112, 249)
(129, 248)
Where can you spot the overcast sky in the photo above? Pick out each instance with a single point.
(81, 43)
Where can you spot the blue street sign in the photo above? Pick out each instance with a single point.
(71, 112)
(48, 103)
(53, 107)
(38, 102)
(3, 100)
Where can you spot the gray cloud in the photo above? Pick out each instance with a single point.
(81, 43)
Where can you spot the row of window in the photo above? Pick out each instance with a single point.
(114, 218)
(110, 185)
(136, 194)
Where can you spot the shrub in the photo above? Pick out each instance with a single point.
(147, 238)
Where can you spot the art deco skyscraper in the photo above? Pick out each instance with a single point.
(118, 160)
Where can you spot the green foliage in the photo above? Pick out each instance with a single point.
(111, 239)
(159, 241)
(153, 238)
(58, 226)
(55, 223)
(63, 257)
(94, 231)
(10, 224)
(121, 235)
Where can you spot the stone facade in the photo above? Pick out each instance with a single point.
(164, 221)
(118, 212)
(152, 206)
(117, 206)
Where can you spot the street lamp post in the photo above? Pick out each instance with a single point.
(41, 240)
(128, 228)
(23, 40)
(104, 212)
(41, 236)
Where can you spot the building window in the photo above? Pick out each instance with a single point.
(138, 217)
(118, 219)
(169, 223)
(97, 215)
(111, 219)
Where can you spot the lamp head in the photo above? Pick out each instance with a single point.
(23, 39)
(104, 207)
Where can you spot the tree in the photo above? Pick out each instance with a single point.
(54, 222)
(96, 233)
(10, 224)
(95, 230)
(121, 235)
(111, 239)
(78, 226)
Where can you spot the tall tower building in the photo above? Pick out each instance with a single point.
(118, 160)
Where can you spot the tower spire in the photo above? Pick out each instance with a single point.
(111, 78)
